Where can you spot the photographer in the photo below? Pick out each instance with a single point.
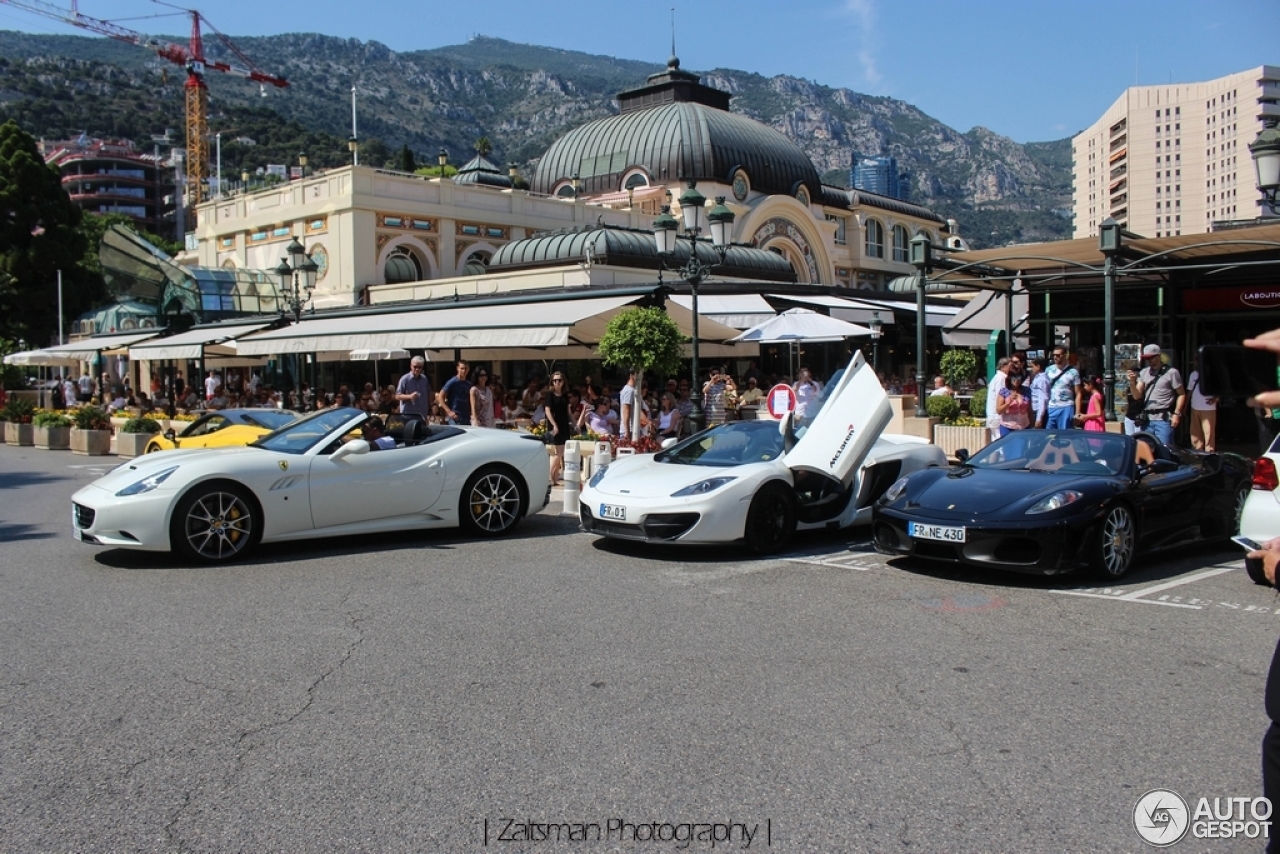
(1163, 396)
(1269, 555)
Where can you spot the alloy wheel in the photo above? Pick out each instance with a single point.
(218, 525)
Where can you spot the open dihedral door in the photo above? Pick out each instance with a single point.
(851, 413)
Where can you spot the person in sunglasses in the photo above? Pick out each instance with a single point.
(556, 405)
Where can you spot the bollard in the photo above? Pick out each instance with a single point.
(572, 478)
(602, 457)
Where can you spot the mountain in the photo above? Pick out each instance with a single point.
(521, 97)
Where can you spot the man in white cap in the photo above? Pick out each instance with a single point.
(1163, 396)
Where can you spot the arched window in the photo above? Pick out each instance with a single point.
(635, 181)
(901, 241)
(477, 264)
(875, 239)
(402, 266)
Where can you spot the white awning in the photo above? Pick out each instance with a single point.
(38, 358)
(859, 309)
(194, 343)
(531, 324)
(89, 347)
(741, 311)
(507, 327)
(973, 326)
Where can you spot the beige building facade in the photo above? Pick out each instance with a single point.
(1174, 159)
(374, 229)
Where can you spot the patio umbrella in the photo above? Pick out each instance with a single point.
(376, 355)
(41, 360)
(799, 325)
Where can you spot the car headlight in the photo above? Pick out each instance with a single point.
(148, 483)
(598, 476)
(893, 493)
(702, 487)
(1056, 501)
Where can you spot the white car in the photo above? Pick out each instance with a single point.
(1260, 519)
(315, 478)
(761, 481)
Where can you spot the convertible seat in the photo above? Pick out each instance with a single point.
(1148, 449)
(414, 432)
(1055, 456)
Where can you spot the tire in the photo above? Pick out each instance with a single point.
(491, 502)
(1114, 543)
(1237, 510)
(771, 519)
(215, 523)
(152, 447)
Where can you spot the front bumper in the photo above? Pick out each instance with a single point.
(101, 518)
(1040, 547)
(714, 518)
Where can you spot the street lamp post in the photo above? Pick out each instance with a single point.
(1265, 151)
(694, 270)
(302, 165)
(297, 281)
(442, 158)
(353, 146)
(877, 329)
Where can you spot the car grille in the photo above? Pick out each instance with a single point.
(84, 515)
(657, 526)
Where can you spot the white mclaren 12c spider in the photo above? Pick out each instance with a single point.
(760, 481)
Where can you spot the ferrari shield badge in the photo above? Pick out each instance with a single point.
(284, 465)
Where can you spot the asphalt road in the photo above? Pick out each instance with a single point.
(417, 692)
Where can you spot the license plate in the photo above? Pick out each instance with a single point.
(945, 533)
(613, 511)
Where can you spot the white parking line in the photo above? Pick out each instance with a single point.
(1136, 595)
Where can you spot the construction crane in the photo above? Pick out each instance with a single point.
(191, 58)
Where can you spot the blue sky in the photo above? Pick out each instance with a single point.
(1029, 69)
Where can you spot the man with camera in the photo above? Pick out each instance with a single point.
(1163, 396)
(1269, 555)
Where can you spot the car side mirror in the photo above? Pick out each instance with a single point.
(347, 449)
(171, 435)
(963, 455)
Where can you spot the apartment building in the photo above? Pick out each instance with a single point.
(113, 177)
(1164, 160)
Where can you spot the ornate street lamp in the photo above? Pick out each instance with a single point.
(353, 146)
(297, 281)
(1265, 151)
(877, 329)
(694, 270)
(302, 164)
(442, 158)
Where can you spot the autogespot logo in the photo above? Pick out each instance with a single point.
(1161, 817)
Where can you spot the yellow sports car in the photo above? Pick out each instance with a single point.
(223, 427)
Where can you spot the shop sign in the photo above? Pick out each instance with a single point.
(1231, 299)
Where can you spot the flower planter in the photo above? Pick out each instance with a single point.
(951, 439)
(53, 438)
(130, 445)
(18, 434)
(93, 443)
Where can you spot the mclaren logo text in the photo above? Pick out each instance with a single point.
(848, 437)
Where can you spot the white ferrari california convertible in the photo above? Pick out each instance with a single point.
(761, 481)
(315, 478)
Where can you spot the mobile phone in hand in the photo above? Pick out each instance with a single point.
(1247, 544)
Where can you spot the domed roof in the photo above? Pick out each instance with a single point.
(481, 171)
(624, 247)
(676, 129)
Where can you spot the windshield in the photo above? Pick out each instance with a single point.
(1067, 452)
(733, 444)
(299, 436)
(270, 419)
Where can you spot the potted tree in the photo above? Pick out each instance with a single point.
(649, 341)
(18, 412)
(91, 433)
(52, 430)
(132, 439)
